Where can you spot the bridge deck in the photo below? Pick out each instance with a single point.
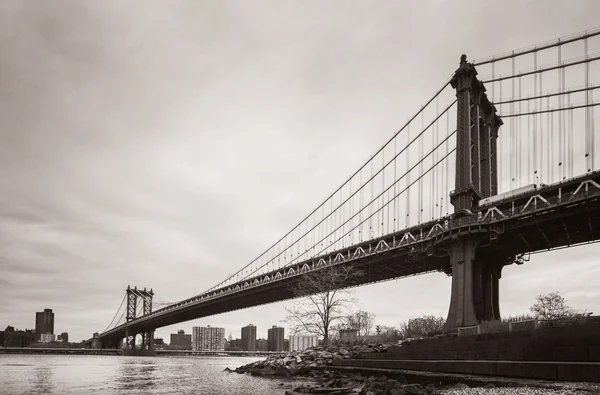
(559, 215)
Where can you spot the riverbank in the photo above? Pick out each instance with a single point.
(316, 365)
(58, 351)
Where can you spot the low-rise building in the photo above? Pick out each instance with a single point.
(180, 341)
(299, 343)
(262, 345)
(46, 338)
(16, 338)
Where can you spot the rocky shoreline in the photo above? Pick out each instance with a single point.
(314, 366)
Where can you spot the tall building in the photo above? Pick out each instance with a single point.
(299, 343)
(249, 338)
(275, 337)
(181, 341)
(208, 339)
(44, 322)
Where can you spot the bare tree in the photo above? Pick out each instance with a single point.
(422, 326)
(325, 304)
(551, 306)
(362, 321)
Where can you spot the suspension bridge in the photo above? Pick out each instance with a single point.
(498, 164)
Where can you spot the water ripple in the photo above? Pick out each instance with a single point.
(112, 375)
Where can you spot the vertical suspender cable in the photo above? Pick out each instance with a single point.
(332, 225)
(534, 120)
(518, 138)
(447, 181)
(362, 190)
(560, 147)
(383, 189)
(540, 130)
(499, 152)
(407, 218)
(351, 216)
(563, 125)
(570, 132)
(370, 200)
(588, 138)
(550, 143)
(395, 183)
(436, 173)
(421, 169)
(513, 128)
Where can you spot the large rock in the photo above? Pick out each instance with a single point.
(413, 389)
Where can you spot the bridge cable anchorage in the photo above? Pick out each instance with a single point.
(352, 176)
(540, 47)
(371, 182)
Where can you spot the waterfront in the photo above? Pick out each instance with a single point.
(74, 374)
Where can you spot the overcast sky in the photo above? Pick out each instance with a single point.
(166, 143)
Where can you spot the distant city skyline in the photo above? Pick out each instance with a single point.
(178, 166)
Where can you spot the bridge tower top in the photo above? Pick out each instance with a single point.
(477, 132)
(132, 295)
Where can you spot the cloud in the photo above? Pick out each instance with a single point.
(167, 146)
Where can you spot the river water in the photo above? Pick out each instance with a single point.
(111, 375)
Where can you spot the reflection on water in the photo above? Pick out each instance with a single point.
(136, 374)
(42, 380)
(78, 374)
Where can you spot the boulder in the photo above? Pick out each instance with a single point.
(413, 389)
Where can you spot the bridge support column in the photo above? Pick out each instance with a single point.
(147, 340)
(462, 302)
(475, 277)
(475, 284)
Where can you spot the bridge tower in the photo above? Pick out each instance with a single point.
(133, 294)
(475, 277)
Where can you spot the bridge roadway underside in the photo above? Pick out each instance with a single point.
(558, 225)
